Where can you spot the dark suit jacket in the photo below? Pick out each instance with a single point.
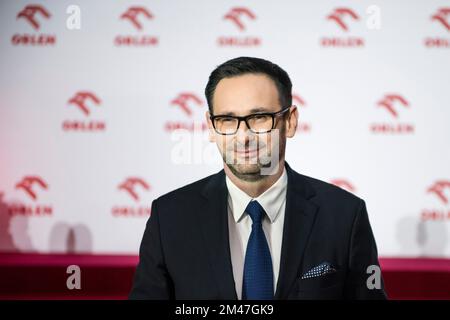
(185, 251)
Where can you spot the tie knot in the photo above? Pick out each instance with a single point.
(255, 211)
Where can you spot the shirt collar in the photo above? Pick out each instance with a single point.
(271, 199)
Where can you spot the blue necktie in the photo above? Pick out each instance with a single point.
(258, 274)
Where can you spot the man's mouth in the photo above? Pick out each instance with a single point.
(246, 152)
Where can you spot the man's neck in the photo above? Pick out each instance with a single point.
(255, 188)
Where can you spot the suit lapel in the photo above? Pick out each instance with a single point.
(299, 218)
(214, 225)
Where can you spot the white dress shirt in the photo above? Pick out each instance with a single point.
(273, 201)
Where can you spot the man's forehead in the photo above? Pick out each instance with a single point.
(248, 80)
(245, 94)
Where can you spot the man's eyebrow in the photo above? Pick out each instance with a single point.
(227, 113)
(259, 110)
(253, 110)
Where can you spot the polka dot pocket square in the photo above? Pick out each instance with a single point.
(320, 270)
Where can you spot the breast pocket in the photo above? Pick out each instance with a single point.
(329, 286)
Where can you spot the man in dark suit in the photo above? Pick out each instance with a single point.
(257, 229)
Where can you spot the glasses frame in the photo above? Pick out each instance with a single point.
(246, 118)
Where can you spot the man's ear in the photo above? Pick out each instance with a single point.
(212, 133)
(292, 122)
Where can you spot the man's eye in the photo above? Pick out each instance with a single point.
(259, 117)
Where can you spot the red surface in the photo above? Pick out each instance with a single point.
(36, 276)
(421, 278)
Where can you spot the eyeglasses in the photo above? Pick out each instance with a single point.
(258, 123)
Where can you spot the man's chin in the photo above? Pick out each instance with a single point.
(247, 172)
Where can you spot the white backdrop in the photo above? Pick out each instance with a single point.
(373, 96)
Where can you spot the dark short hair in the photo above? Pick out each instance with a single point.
(249, 65)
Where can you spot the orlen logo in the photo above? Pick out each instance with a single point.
(81, 98)
(184, 101)
(342, 18)
(83, 102)
(393, 105)
(236, 15)
(32, 15)
(187, 103)
(130, 186)
(344, 184)
(27, 184)
(391, 102)
(239, 18)
(339, 14)
(440, 190)
(137, 17)
(134, 188)
(133, 13)
(441, 17)
(32, 186)
(303, 127)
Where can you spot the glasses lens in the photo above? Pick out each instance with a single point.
(226, 125)
(260, 123)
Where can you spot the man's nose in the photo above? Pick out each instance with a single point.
(243, 134)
